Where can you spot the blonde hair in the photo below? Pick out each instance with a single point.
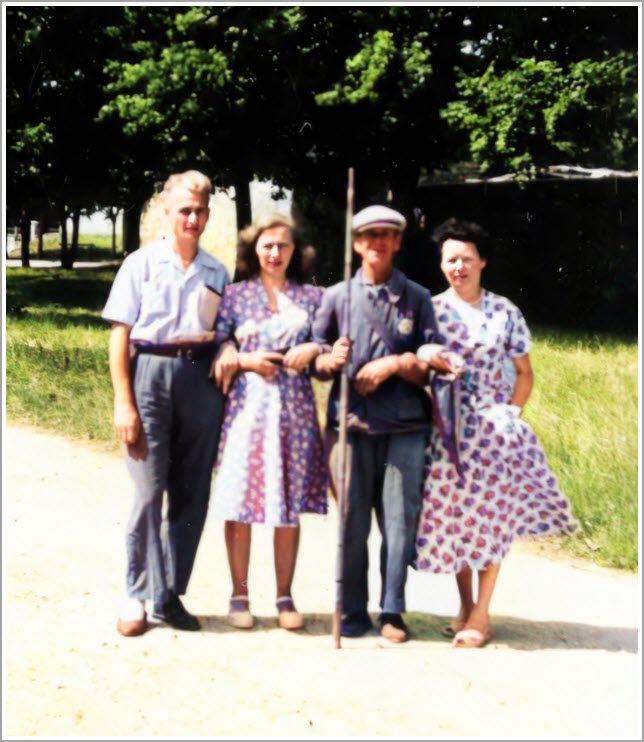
(193, 180)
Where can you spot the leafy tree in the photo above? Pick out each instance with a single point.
(537, 112)
(297, 94)
(61, 162)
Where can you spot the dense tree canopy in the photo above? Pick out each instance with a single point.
(299, 93)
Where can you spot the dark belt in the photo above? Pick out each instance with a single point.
(191, 352)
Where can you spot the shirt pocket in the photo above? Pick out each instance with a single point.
(208, 306)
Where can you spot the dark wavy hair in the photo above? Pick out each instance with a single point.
(458, 229)
(247, 261)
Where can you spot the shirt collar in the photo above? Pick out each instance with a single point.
(168, 255)
(394, 286)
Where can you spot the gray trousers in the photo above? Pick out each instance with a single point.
(181, 412)
(385, 475)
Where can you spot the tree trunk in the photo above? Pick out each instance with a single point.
(131, 225)
(64, 248)
(73, 253)
(42, 226)
(242, 201)
(25, 237)
(113, 215)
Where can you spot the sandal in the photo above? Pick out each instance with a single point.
(239, 615)
(287, 614)
(471, 639)
(450, 630)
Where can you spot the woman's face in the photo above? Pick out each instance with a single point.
(274, 248)
(462, 266)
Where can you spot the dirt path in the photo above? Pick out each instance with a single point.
(564, 661)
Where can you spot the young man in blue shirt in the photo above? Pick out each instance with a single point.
(167, 412)
(390, 317)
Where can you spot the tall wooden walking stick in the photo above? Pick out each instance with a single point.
(341, 468)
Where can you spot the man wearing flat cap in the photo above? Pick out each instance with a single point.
(389, 318)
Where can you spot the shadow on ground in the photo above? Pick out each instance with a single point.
(510, 632)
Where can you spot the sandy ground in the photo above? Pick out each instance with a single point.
(564, 661)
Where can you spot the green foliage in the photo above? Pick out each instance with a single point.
(537, 112)
(298, 93)
(364, 71)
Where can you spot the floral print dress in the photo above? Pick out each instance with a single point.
(270, 465)
(502, 486)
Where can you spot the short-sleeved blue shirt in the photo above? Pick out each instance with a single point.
(390, 319)
(162, 301)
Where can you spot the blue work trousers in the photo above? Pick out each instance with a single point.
(180, 410)
(385, 474)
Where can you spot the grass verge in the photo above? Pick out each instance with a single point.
(583, 408)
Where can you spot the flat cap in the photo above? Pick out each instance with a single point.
(378, 216)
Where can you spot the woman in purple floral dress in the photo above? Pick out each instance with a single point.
(270, 466)
(487, 478)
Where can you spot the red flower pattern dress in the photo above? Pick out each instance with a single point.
(505, 487)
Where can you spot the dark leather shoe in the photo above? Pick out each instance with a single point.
(132, 628)
(355, 624)
(174, 614)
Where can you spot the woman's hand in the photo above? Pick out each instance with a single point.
(440, 359)
(264, 362)
(300, 356)
(225, 367)
(448, 362)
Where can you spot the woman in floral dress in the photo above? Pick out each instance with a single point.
(487, 478)
(270, 466)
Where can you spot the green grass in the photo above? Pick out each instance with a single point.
(91, 247)
(584, 410)
(583, 407)
(56, 352)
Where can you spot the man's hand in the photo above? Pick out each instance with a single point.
(300, 356)
(373, 373)
(225, 367)
(126, 422)
(340, 353)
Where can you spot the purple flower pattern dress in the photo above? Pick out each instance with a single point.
(505, 488)
(270, 465)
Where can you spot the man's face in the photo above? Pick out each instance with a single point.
(187, 214)
(377, 247)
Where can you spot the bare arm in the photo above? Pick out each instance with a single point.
(126, 416)
(524, 381)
